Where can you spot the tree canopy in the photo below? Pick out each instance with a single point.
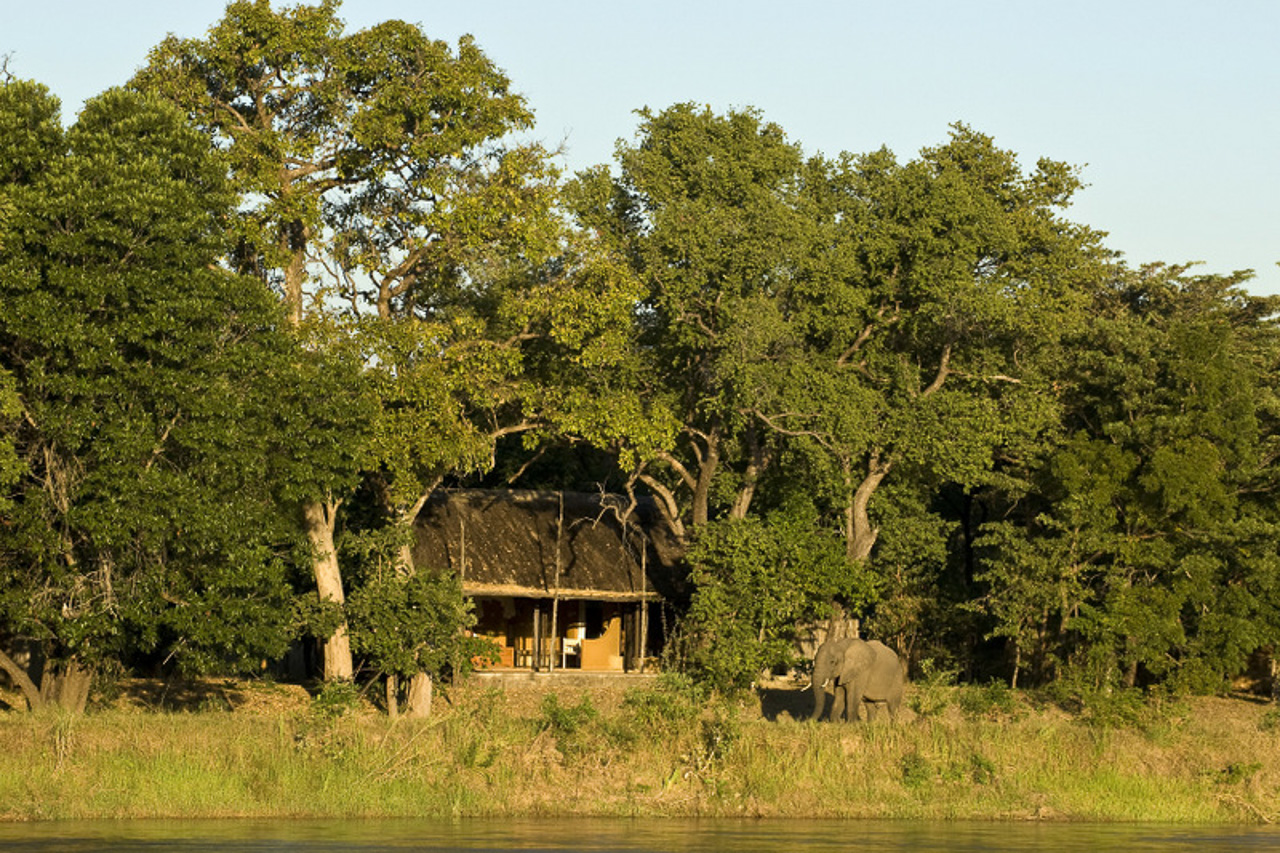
(258, 305)
(148, 511)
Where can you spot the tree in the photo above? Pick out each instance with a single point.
(706, 210)
(147, 516)
(1146, 547)
(756, 581)
(371, 157)
(380, 184)
(840, 321)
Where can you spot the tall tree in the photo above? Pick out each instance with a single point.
(1146, 547)
(934, 282)
(877, 311)
(706, 209)
(147, 516)
(369, 165)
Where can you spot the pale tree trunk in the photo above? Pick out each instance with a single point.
(22, 681)
(63, 686)
(761, 456)
(860, 535)
(393, 696)
(66, 687)
(320, 520)
(421, 687)
(320, 517)
(418, 702)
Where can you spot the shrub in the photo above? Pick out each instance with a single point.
(996, 699)
(931, 693)
(335, 699)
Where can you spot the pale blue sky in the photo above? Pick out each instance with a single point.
(1172, 107)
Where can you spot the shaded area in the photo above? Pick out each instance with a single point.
(776, 700)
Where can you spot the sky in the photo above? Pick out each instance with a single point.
(1170, 108)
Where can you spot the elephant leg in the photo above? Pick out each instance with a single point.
(852, 699)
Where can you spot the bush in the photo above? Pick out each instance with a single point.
(335, 699)
(932, 691)
(671, 705)
(917, 770)
(575, 727)
(754, 581)
(995, 700)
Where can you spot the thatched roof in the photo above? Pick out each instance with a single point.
(504, 543)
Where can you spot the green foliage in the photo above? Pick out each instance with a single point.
(1144, 550)
(566, 721)
(995, 700)
(406, 624)
(375, 147)
(932, 689)
(1238, 772)
(755, 582)
(671, 706)
(982, 770)
(910, 388)
(335, 699)
(11, 464)
(917, 770)
(148, 515)
(1270, 721)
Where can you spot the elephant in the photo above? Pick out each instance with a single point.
(866, 672)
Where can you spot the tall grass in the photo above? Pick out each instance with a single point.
(664, 750)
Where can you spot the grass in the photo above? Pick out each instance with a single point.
(655, 751)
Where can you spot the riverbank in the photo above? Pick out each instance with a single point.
(264, 751)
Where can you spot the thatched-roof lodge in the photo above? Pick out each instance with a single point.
(560, 579)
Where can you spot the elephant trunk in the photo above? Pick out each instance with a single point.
(819, 698)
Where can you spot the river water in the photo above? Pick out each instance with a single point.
(643, 836)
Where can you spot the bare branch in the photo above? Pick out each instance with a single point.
(866, 333)
(19, 675)
(677, 466)
(666, 504)
(944, 370)
(772, 422)
(525, 467)
(164, 436)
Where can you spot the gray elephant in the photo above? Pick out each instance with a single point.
(865, 672)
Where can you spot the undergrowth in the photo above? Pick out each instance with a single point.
(669, 748)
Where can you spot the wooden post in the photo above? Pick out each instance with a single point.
(537, 636)
(555, 589)
(462, 528)
(644, 602)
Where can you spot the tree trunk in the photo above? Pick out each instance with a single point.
(761, 456)
(320, 520)
(67, 686)
(393, 698)
(22, 681)
(418, 703)
(708, 463)
(861, 536)
(293, 241)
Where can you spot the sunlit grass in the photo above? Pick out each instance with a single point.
(477, 758)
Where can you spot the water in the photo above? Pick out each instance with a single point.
(642, 836)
